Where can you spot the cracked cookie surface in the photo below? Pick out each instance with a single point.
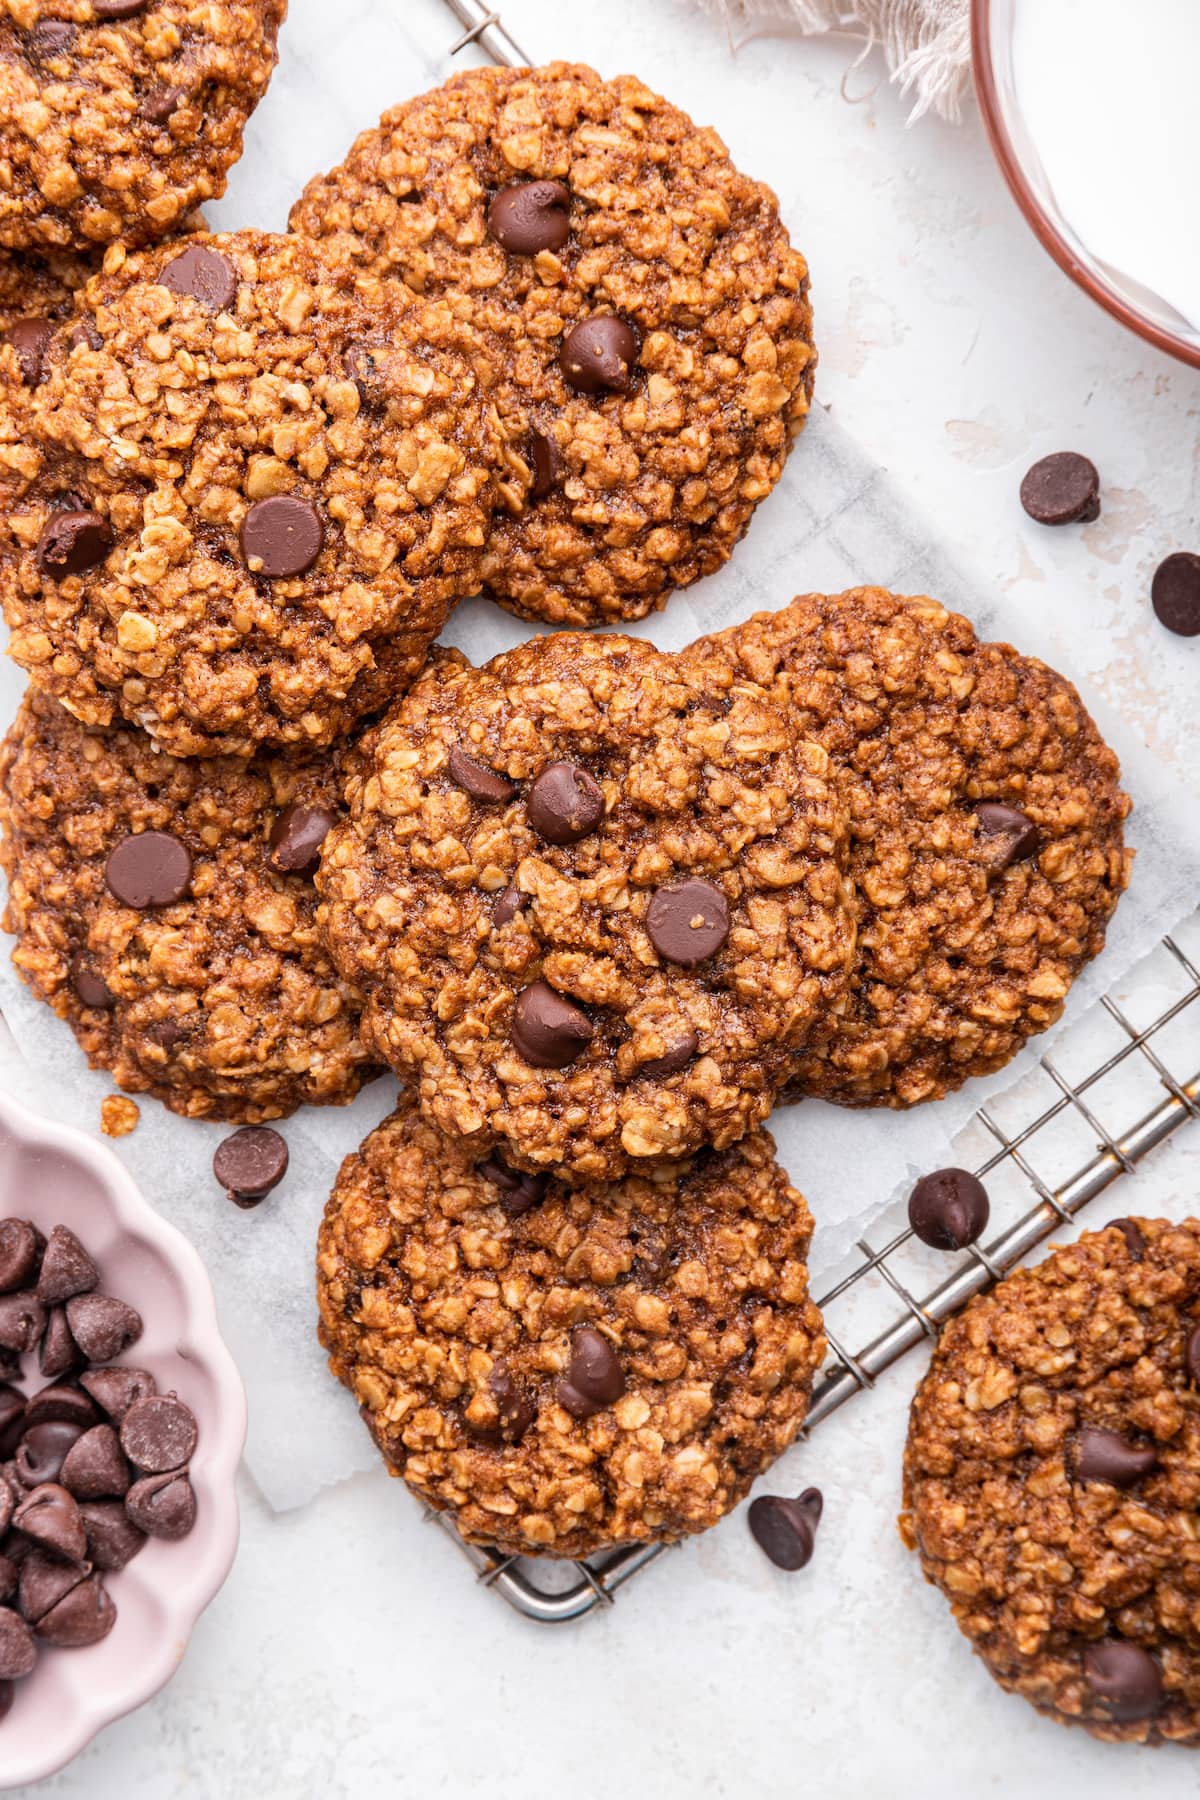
(986, 832)
(1052, 1480)
(633, 489)
(592, 1366)
(222, 1002)
(593, 909)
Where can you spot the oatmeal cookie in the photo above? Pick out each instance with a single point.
(1052, 1481)
(594, 908)
(165, 909)
(118, 118)
(561, 1366)
(986, 832)
(651, 319)
(242, 499)
(40, 288)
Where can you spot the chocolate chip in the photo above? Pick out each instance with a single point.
(8, 1693)
(281, 537)
(21, 1246)
(163, 1506)
(1192, 1355)
(43, 1450)
(204, 275)
(516, 1412)
(250, 1162)
(547, 465)
(564, 804)
(112, 1538)
(528, 216)
(115, 1390)
(102, 1326)
(948, 1209)
(1135, 1243)
(73, 542)
(10, 1575)
(12, 1420)
(677, 1057)
(1106, 1456)
(30, 338)
(117, 9)
(42, 1582)
(594, 1378)
(84, 1617)
(1175, 593)
(508, 906)
(598, 355)
(18, 1652)
(1063, 489)
(152, 868)
(51, 1518)
(158, 1433)
(59, 1353)
(90, 988)
(66, 1270)
(476, 779)
(10, 1493)
(22, 1321)
(1015, 830)
(785, 1530)
(83, 335)
(166, 1034)
(60, 1402)
(688, 923)
(294, 846)
(53, 37)
(519, 1192)
(157, 106)
(94, 1468)
(1124, 1679)
(548, 1031)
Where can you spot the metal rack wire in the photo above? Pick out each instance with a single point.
(1044, 1151)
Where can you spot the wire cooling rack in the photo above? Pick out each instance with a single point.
(1120, 1081)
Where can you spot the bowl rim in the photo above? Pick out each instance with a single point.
(200, 1337)
(988, 94)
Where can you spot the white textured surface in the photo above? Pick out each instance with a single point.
(349, 1652)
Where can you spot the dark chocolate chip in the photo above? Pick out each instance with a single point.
(18, 1652)
(594, 1378)
(948, 1209)
(598, 355)
(83, 335)
(50, 1516)
(53, 37)
(94, 1468)
(565, 803)
(158, 1434)
(84, 1617)
(118, 9)
(1124, 1679)
(1135, 1243)
(22, 1321)
(1192, 1355)
(102, 1326)
(12, 1418)
(251, 1161)
(476, 779)
(66, 1270)
(508, 906)
(688, 923)
(72, 543)
(204, 275)
(528, 216)
(43, 1450)
(59, 1353)
(112, 1538)
(115, 1390)
(21, 1246)
(1102, 1455)
(1175, 593)
(91, 989)
(163, 1506)
(516, 1412)
(10, 1576)
(30, 338)
(10, 1492)
(785, 1530)
(152, 868)
(1063, 489)
(62, 1403)
(677, 1057)
(297, 836)
(157, 106)
(519, 1192)
(281, 537)
(43, 1580)
(547, 465)
(166, 1034)
(547, 1030)
(1016, 834)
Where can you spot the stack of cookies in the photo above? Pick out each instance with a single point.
(599, 907)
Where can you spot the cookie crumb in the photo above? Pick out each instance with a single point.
(118, 1115)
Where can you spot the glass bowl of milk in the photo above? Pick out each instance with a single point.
(1092, 109)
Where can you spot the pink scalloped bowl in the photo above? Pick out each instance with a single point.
(55, 1175)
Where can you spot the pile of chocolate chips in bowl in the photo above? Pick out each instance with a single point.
(94, 1462)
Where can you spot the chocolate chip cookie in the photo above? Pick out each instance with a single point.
(165, 909)
(986, 832)
(595, 906)
(563, 1366)
(651, 319)
(117, 117)
(1052, 1481)
(244, 494)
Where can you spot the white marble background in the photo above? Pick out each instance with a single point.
(349, 1653)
